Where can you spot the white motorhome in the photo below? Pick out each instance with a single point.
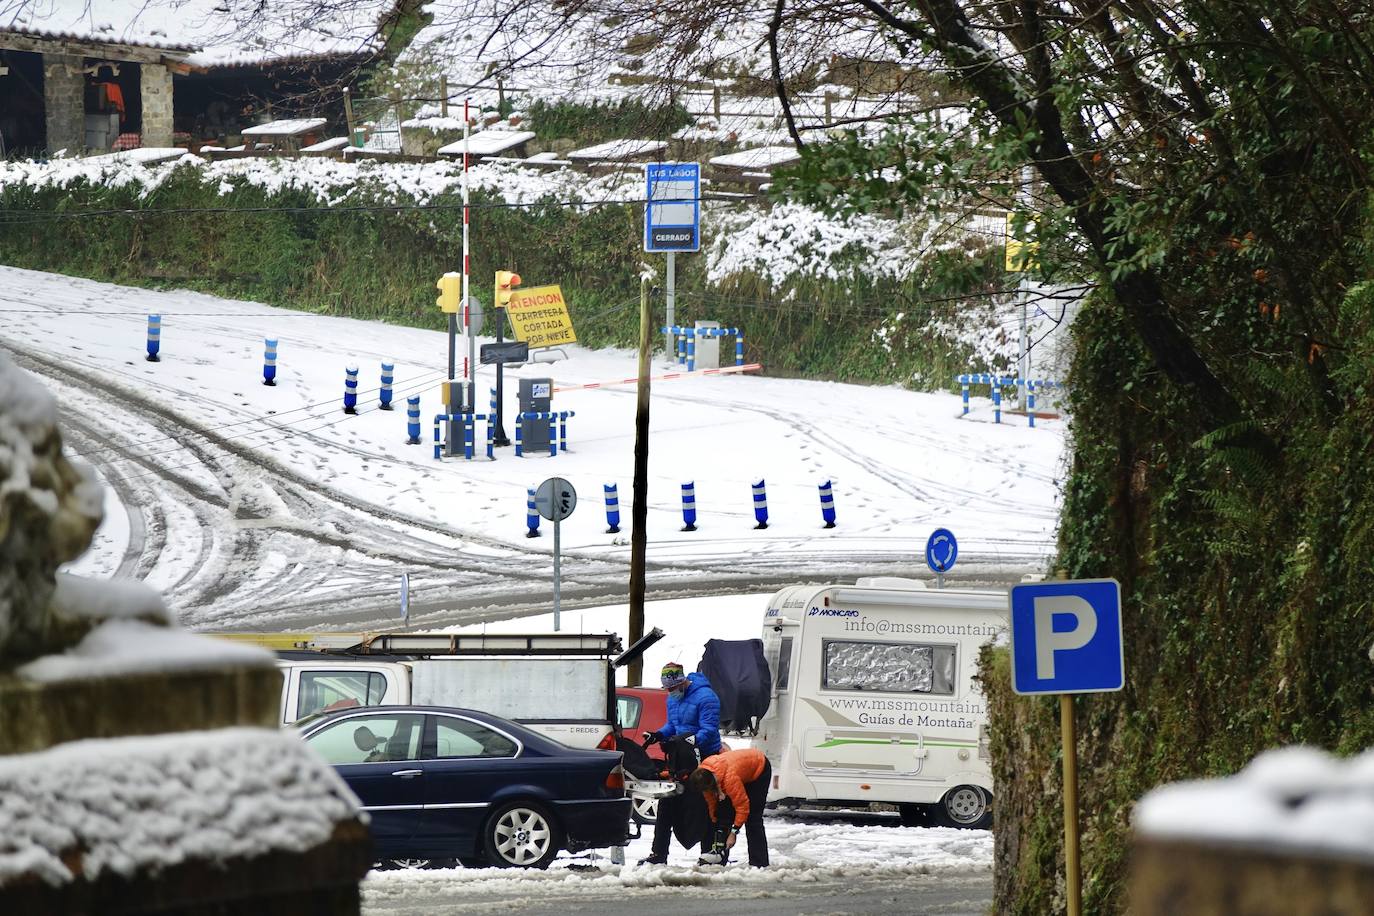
(874, 698)
(561, 685)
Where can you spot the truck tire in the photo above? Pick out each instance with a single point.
(522, 834)
(969, 807)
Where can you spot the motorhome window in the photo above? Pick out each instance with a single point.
(627, 711)
(784, 665)
(461, 738)
(323, 691)
(889, 667)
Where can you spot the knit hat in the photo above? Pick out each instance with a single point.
(672, 676)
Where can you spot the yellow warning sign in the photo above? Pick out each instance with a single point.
(1020, 256)
(540, 317)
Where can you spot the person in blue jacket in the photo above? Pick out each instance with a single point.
(693, 709)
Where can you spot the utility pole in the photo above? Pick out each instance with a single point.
(639, 511)
(671, 302)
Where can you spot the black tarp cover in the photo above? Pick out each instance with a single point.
(739, 674)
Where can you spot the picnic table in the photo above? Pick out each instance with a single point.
(284, 135)
(619, 151)
(487, 143)
(758, 159)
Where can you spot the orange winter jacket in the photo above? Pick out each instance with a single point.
(732, 770)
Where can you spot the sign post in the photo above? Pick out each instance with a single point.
(405, 598)
(672, 221)
(556, 499)
(1066, 638)
(941, 552)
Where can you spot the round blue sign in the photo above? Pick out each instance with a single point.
(941, 550)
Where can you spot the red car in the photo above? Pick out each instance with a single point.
(639, 710)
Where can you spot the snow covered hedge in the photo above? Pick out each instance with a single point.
(819, 294)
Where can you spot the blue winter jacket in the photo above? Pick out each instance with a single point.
(697, 712)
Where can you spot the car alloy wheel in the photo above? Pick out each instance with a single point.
(644, 810)
(523, 835)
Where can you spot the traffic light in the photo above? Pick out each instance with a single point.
(450, 288)
(506, 282)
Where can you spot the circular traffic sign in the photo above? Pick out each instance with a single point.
(941, 550)
(555, 499)
(473, 316)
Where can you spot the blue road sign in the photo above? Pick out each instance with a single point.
(672, 213)
(941, 550)
(1066, 637)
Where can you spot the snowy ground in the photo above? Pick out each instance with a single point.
(253, 507)
(809, 856)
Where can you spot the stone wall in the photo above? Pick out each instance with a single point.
(64, 101)
(157, 105)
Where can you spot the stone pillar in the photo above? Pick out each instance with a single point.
(157, 105)
(64, 103)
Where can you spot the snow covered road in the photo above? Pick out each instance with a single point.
(256, 507)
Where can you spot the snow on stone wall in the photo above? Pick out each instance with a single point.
(137, 805)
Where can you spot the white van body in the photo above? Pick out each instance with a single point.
(874, 698)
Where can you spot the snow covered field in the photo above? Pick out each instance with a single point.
(253, 506)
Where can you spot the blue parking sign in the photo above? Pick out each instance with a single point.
(672, 207)
(1066, 637)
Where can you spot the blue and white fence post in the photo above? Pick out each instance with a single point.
(612, 508)
(689, 506)
(269, 361)
(388, 376)
(827, 505)
(154, 337)
(963, 385)
(739, 347)
(996, 401)
(491, 437)
(1030, 401)
(413, 420)
(692, 352)
(563, 428)
(553, 434)
(351, 389)
(519, 437)
(469, 423)
(438, 449)
(531, 515)
(760, 506)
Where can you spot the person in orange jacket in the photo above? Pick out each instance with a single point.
(741, 776)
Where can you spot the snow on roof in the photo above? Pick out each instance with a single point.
(219, 32)
(133, 647)
(488, 142)
(618, 150)
(128, 805)
(1293, 798)
(762, 157)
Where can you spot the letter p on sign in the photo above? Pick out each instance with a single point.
(1066, 637)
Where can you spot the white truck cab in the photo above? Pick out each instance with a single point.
(874, 698)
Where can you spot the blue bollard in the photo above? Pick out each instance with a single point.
(612, 508)
(827, 505)
(739, 347)
(154, 337)
(996, 401)
(351, 389)
(689, 506)
(438, 450)
(531, 515)
(388, 376)
(760, 506)
(413, 420)
(491, 437)
(519, 439)
(563, 427)
(1030, 402)
(469, 434)
(963, 386)
(553, 435)
(692, 353)
(269, 362)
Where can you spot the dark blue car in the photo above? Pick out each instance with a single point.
(446, 783)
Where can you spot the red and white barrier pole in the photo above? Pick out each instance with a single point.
(751, 367)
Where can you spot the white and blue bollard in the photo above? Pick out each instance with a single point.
(531, 515)
(413, 420)
(612, 508)
(519, 439)
(692, 353)
(154, 337)
(827, 505)
(963, 387)
(438, 448)
(1030, 401)
(689, 506)
(996, 401)
(351, 389)
(760, 506)
(388, 376)
(269, 361)
(739, 347)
